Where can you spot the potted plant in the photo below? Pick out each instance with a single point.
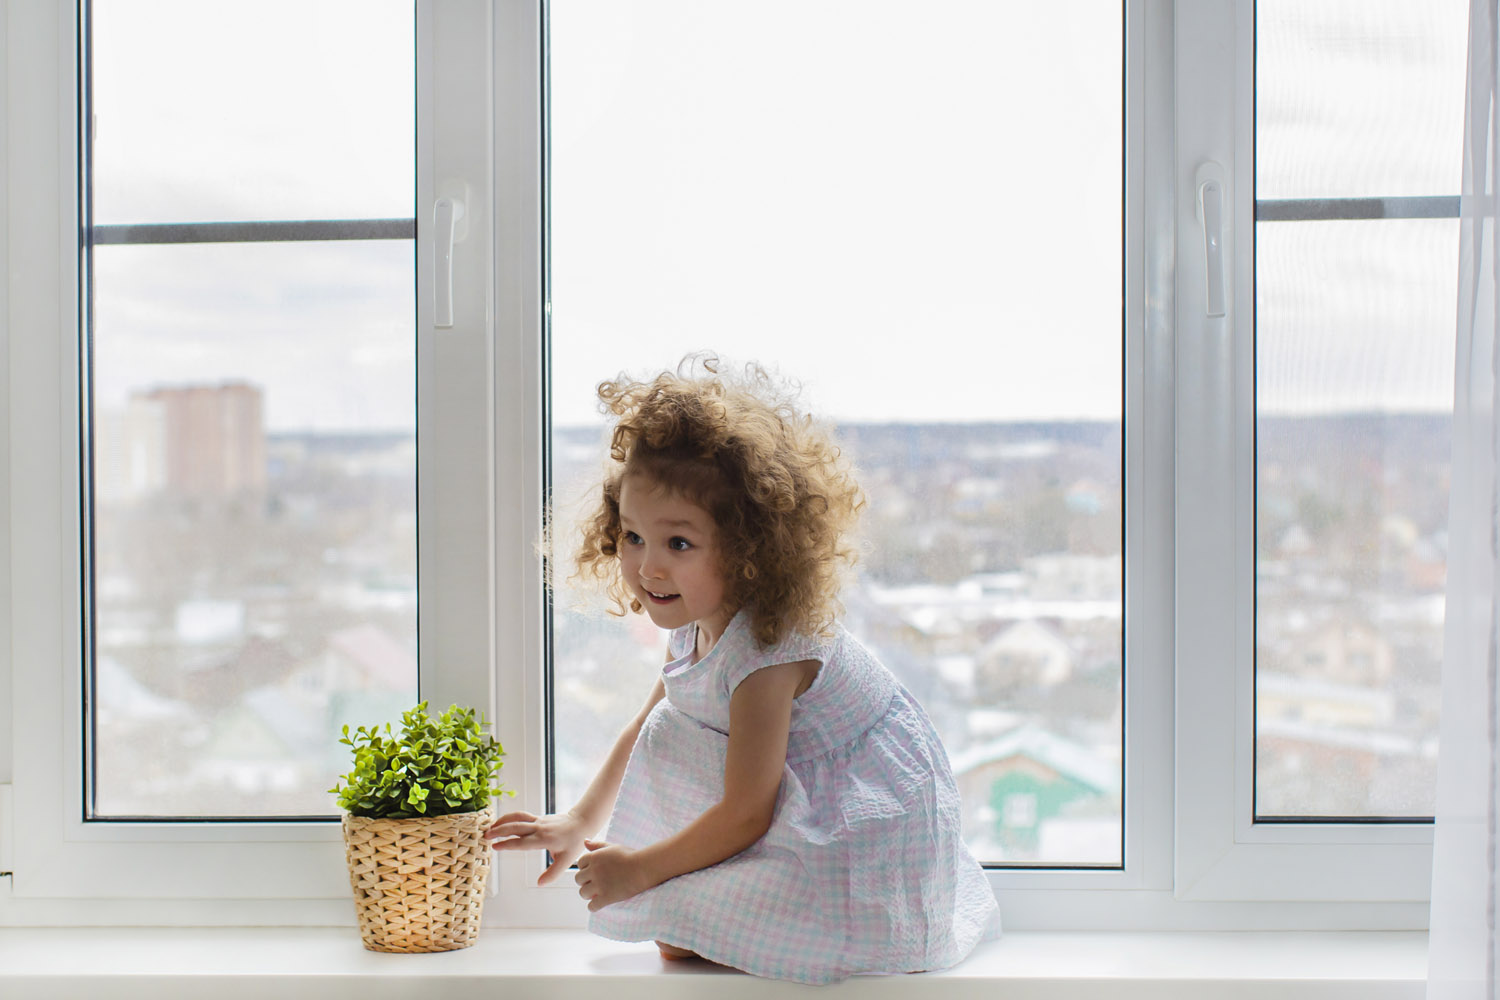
(416, 807)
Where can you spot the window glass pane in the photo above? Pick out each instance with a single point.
(882, 217)
(284, 109)
(253, 532)
(1359, 99)
(1354, 382)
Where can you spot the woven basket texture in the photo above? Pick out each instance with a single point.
(418, 883)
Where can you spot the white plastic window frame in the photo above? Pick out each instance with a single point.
(1222, 852)
(1188, 863)
(183, 872)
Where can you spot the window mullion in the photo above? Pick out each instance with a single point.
(1327, 209)
(287, 231)
(520, 315)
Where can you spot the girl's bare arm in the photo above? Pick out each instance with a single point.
(564, 834)
(760, 713)
(598, 801)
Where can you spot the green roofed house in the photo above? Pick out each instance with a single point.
(1029, 788)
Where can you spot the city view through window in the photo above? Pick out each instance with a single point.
(1357, 105)
(253, 478)
(254, 591)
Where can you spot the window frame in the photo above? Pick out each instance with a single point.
(214, 871)
(1223, 853)
(1191, 858)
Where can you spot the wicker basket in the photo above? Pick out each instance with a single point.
(418, 883)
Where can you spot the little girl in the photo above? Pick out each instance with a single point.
(780, 804)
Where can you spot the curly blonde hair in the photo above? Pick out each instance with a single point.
(781, 494)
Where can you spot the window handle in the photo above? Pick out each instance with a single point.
(1211, 217)
(446, 215)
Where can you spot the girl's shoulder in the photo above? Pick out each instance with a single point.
(744, 656)
(806, 646)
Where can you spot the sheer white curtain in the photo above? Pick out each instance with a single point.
(1465, 893)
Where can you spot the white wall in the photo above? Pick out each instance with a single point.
(7, 87)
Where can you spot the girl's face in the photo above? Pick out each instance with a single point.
(669, 557)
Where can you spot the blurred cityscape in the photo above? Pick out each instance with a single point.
(1352, 543)
(253, 592)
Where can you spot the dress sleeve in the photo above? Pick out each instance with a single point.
(792, 649)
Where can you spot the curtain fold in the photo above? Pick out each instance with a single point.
(1462, 956)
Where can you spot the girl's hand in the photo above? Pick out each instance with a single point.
(609, 873)
(562, 834)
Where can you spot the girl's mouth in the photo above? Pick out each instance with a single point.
(661, 598)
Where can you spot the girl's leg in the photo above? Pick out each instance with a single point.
(673, 953)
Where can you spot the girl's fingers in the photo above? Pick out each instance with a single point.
(554, 871)
(517, 829)
(514, 817)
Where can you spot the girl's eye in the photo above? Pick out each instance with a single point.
(680, 544)
(631, 538)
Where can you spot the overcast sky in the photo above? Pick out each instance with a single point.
(918, 216)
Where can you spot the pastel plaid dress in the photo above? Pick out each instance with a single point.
(863, 870)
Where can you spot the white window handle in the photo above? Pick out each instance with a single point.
(1211, 203)
(446, 213)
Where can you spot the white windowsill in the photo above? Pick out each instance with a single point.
(288, 964)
